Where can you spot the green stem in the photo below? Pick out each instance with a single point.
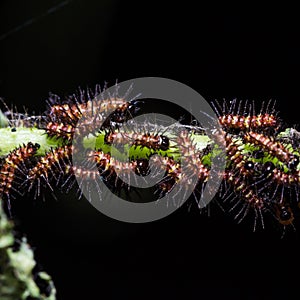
(10, 139)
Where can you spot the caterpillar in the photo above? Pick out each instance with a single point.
(75, 111)
(241, 116)
(233, 151)
(239, 183)
(152, 141)
(192, 170)
(248, 122)
(105, 162)
(75, 105)
(109, 168)
(11, 167)
(246, 199)
(47, 168)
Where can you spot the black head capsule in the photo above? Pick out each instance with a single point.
(37, 146)
(164, 143)
(249, 165)
(285, 214)
(268, 167)
(142, 167)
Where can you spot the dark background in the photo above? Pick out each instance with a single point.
(221, 52)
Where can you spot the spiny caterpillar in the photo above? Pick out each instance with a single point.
(153, 141)
(260, 180)
(242, 117)
(11, 167)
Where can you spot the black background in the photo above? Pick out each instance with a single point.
(221, 52)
